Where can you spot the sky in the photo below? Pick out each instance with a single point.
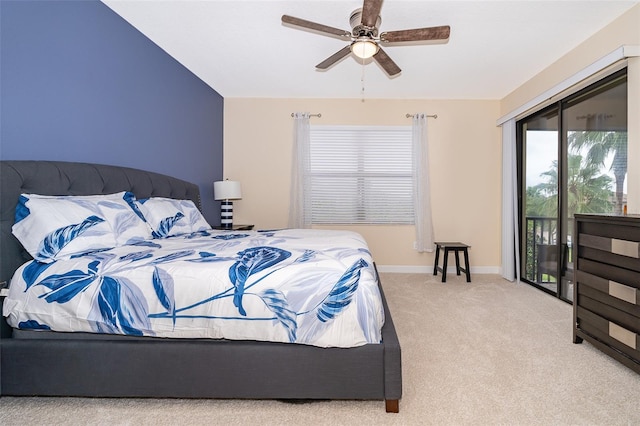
(542, 151)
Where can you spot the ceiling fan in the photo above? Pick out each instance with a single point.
(364, 39)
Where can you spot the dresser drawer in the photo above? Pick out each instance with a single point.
(625, 276)
(613, 251)
(614, 335)
(613, 309)
(615, 274)
(613, 227)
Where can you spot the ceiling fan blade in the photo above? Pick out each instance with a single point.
(319, 28)
(386, 63)
(370, 12)
(334, 58)
(418, 34)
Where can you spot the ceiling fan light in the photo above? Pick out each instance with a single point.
(364, 49)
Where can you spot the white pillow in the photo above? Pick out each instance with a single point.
(168, 217)
(126, 220)
(50, 228)
(56, 227)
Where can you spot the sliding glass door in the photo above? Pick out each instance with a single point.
(573, 159)
(540, 139)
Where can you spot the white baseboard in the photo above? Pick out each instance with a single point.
(420, 269)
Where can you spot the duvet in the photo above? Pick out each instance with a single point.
(312, 287)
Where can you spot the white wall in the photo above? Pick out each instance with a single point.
(465, 154)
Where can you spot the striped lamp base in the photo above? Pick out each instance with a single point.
(226, 214)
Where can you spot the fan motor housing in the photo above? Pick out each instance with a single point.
(359, 30)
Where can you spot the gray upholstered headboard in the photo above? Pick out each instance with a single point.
(66, 178)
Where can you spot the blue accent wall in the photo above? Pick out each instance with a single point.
(79, 83)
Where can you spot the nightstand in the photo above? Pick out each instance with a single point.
(235, 228)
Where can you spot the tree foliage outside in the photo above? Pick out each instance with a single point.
(599, 145)
(589, 190)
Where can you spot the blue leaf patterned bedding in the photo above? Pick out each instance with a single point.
(296, 286)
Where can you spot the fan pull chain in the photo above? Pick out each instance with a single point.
(362, 82)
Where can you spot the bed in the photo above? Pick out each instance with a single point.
(50, 363)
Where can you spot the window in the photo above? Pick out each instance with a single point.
(361, 175)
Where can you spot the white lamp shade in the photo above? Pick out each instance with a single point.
(227, 190)
(364, 48)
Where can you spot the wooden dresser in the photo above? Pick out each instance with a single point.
(606, 306)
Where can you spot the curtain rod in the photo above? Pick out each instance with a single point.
(310, 115)
(428, 116)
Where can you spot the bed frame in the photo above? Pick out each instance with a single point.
(120, 366)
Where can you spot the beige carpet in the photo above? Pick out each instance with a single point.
(485, 353)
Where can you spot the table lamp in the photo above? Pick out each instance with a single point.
(225, 191)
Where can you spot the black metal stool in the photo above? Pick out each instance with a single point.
(455, 247)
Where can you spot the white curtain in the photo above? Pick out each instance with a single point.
(299, 211)
(510, 238)
(422, 187)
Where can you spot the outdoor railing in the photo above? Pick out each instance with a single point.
(539, 230)
(543, 231)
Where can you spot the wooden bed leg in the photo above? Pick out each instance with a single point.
(392, 405)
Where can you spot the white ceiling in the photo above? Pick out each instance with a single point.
(241, 49)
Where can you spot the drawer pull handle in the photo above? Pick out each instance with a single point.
(622, 292)
(622, 335)
(625, 248)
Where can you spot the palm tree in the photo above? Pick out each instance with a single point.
(588, 190)
(600, 145)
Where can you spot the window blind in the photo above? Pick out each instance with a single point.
(361, 174)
